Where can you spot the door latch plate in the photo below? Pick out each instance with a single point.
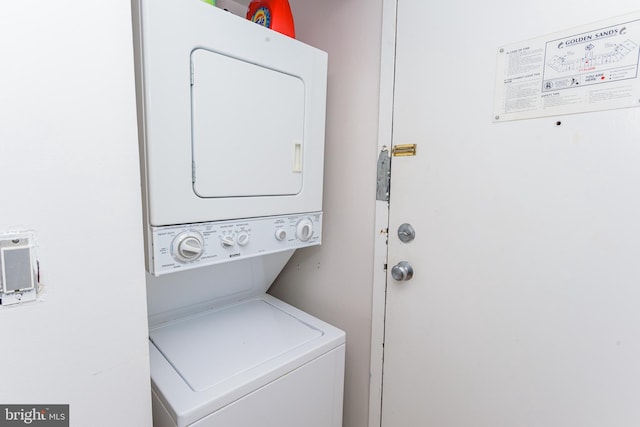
(403, 150)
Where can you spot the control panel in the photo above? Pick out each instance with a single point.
(187, 246)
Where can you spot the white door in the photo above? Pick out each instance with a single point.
(524, 307)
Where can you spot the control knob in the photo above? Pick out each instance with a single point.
(281, 234)
(304, 229)
(243, 238)
(227, 241)
(188, 246)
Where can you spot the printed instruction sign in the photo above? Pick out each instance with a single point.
(590, 68)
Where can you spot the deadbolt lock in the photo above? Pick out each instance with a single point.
(406, 233)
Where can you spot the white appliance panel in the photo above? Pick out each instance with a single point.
(210, 347)
(181, 294)
(177, 403)
(248, 128)
(270, 179)
(288, 401)
(310, 396)
(189, 246)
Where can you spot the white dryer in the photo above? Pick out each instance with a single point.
(231, 121)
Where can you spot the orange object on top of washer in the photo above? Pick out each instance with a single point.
(274, 14)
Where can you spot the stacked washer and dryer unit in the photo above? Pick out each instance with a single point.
(232, 140)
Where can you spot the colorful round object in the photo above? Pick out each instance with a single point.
(262, 16)
(274, 14)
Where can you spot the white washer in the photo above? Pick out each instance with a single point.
(259, 362)
(231, 121)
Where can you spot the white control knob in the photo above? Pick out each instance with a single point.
(281, 234)
(304, 229)
(227, 241)
(188, 246)
(243, 238)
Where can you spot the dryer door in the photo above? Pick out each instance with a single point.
(248, 125)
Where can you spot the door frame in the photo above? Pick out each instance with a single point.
(381, 221)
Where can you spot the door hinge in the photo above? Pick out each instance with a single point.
(384, 176)
(404, 150)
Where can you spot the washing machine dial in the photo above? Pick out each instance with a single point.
(281, 234)
(227, 241)
(304, 229)
(188, 246)
(243, 238)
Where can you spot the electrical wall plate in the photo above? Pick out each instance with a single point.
(18, 268)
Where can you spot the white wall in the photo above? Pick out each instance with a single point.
(69, 171)
(334, 281)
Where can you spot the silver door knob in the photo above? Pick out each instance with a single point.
(402, 271)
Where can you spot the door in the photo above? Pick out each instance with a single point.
(524, 306)
(245, 144)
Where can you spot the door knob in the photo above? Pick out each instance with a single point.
(402, 271)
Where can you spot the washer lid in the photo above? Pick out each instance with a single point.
(216, 345)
